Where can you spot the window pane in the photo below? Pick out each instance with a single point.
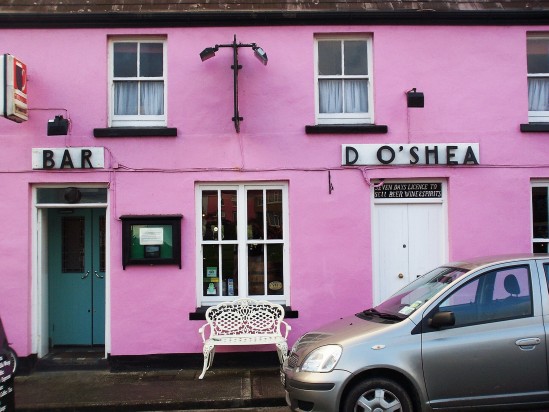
(73, 244)
(125, 98)
(229, 276)
(356, 96)
(275, 269)
(152, 98)
(209, 215)
(538, 94)
(228, 214)
(255, 214)
(210, 267)
(151, 60)
(356, 57)
(539, 212)
(63, 195)
(540, 247)
(329, 57)
(330, 96)
(538, 55)
(125, 59)
(495, 296)
(274, 214)
(256, 270)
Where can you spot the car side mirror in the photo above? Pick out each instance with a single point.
(441, 319)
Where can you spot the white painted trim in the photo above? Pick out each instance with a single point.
(39, 264)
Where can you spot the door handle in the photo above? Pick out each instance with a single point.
(97, 275)
(400, 276)
(528, 343)
(85, 275)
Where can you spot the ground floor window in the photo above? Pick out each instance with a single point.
(242, 230)
(540, 217)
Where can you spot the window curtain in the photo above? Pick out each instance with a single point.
(538, 94)
(151, 100)
(125, 98)
(331, 96)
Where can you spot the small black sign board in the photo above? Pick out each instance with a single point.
(409, 190)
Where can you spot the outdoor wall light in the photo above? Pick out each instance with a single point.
(261, 55)
(58, 126)
(415, 98)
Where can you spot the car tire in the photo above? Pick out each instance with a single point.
(13, 358)
(378, 394)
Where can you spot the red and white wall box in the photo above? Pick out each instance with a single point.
(13, 88)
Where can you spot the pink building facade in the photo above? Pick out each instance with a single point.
(333, 193)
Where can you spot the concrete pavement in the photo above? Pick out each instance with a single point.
(152, 390)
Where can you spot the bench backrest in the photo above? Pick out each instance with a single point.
(245, 317)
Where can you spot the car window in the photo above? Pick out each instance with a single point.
(546, 268)
(493, 296)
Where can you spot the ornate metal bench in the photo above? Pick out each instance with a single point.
(244, 322)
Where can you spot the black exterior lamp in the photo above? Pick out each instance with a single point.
(415, 98)
(261, 55)
(58, 126)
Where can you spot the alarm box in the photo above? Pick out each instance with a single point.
(13, 88)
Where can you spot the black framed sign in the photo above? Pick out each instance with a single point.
(151, 240)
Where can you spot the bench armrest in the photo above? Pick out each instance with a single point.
(202, 331)
(287, 328)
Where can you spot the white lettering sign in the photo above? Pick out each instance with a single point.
(448, 154)
(68, 158)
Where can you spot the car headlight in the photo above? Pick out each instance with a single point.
(323, 359)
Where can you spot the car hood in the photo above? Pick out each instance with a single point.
(346, 331)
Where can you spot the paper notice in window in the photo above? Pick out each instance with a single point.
(151, 236)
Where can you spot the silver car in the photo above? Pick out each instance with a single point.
(465, 335)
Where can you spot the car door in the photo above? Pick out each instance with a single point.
(495, 353)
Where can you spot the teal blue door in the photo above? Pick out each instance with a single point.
(76, 276)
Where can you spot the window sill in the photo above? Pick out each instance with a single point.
(135, 132)
(200, 313)
(534, 127)
(346, 128)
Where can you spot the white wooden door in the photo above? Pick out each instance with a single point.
(408, 242)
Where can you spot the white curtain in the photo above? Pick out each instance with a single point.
(125, 98)
(538, 94)
(151, 100)
(331, 96)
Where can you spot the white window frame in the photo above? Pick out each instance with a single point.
(242, 241)
(538, 116)
(137, 120)
(345, 118)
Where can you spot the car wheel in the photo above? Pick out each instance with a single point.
(13, 358)
(378, 395)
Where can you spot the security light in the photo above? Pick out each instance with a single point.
(261, 55)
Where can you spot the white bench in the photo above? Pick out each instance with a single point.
(244, 322)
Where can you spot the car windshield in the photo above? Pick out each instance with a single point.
(407, 300)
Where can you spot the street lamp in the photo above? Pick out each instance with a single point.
(261, 55)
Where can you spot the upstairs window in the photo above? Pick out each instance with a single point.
(343, 80)
(137, 82)
(538, 78)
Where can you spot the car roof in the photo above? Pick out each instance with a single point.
(477, 262)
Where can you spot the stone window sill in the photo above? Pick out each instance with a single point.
(346, 129)
(135, 132)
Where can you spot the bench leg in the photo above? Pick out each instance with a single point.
(282, 349)
(209, 352)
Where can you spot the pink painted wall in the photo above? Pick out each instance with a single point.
(474, 80)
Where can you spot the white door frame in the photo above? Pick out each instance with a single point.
(376, 276)
(39, 269)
